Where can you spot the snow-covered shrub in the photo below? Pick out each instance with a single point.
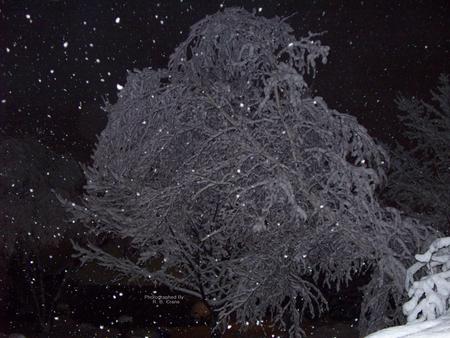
(246, 190)
(430, 293)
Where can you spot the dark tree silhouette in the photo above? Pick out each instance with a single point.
(34, 251)
(245, 189)
(420, 179)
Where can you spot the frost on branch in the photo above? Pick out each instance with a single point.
(243, 188)
(430, 294)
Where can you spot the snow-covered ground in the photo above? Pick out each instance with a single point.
(437, 328)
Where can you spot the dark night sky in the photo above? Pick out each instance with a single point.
(59, 59)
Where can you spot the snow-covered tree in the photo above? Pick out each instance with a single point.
(420, 180)
(246, 191)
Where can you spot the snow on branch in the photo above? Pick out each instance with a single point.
(430, 293)
(244, 188)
